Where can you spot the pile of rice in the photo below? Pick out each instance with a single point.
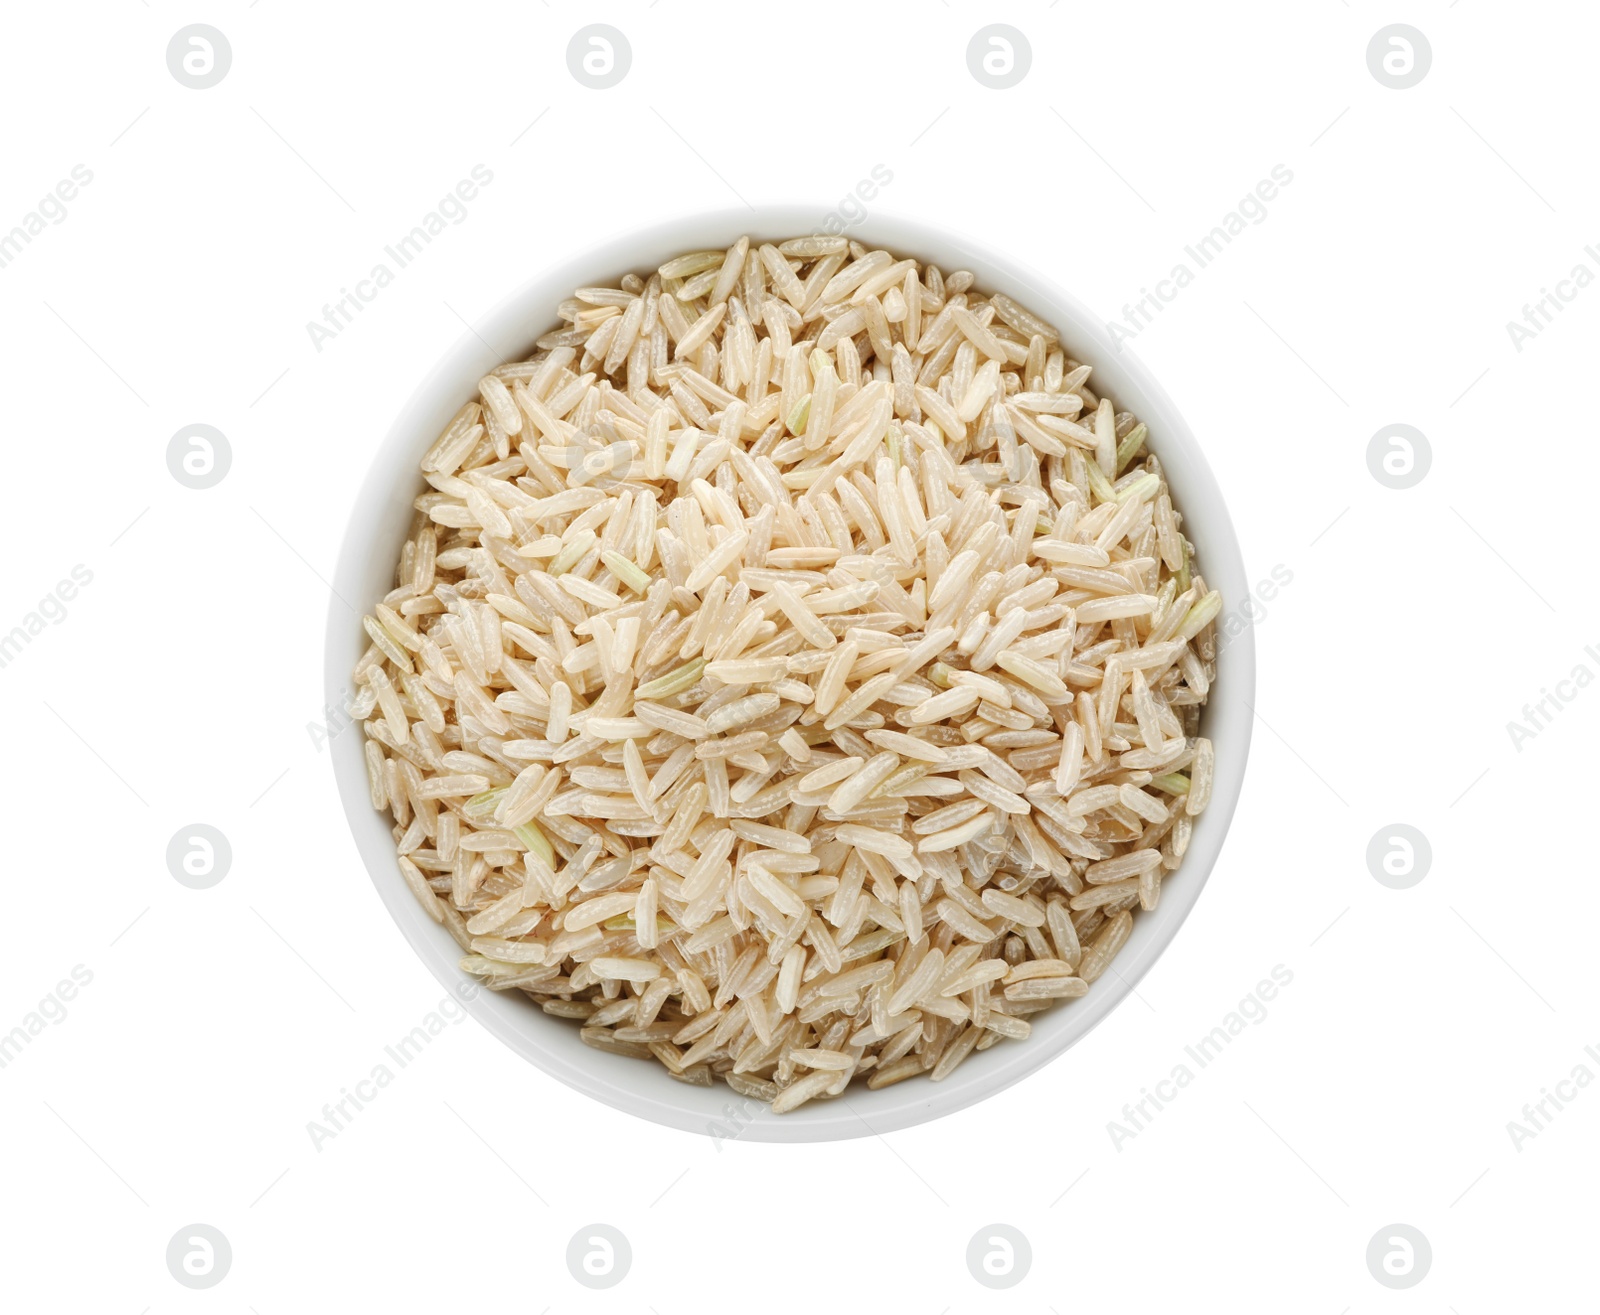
(794, 672)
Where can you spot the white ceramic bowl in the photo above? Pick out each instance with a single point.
(378, 526)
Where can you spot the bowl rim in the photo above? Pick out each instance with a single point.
(530, 310)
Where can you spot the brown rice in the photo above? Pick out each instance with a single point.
(793, 672)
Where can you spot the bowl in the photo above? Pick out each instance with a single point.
(378, 525)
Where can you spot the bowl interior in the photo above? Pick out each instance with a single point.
(365, 572)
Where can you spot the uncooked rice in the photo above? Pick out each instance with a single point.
(794, 672)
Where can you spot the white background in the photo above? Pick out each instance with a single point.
(180, 685)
